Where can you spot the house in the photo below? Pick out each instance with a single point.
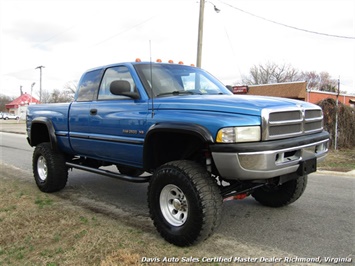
(19, 105)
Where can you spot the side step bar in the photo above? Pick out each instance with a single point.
(138, 179)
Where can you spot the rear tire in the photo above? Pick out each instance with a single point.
(49, 169)
(282, 195)
(184, 202)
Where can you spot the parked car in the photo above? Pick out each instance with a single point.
(6, 116)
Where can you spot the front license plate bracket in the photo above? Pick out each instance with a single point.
(307, 166)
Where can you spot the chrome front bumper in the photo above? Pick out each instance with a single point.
(249, 165)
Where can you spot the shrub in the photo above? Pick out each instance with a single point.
(346, 123)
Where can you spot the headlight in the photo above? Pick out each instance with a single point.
(238, 134)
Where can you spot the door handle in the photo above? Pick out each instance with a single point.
(93, 111)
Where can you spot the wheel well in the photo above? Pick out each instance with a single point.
(163, 147)
(39, 134)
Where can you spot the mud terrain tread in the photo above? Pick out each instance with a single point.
(279, 196)
(206, 196)
(57, 171)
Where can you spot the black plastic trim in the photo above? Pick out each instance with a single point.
(193, 129)
(50, 128)
(107, 138)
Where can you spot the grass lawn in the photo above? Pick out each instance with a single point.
(339, 160)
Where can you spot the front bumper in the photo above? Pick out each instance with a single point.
(263, 160)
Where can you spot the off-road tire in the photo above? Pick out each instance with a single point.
(188, 185)
(49, 169)
(282, 195)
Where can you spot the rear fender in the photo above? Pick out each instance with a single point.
(42, 130)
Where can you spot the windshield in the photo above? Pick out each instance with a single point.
(162, 80)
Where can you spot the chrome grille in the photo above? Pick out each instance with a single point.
(291, 122)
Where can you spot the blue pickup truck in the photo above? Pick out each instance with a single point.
(182, 131)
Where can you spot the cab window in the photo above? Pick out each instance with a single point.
(89, 85)
(114, 74)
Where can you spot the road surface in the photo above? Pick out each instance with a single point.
(321, 223)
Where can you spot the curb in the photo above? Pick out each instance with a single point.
(13, 132)
(325, 172)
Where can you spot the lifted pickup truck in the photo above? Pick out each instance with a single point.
(185, 133)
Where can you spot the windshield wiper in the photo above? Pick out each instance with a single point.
(175, 93)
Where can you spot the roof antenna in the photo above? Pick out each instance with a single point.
(151, 76)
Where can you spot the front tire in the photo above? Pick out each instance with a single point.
(282, 195)
(49, 169)
(184, 202)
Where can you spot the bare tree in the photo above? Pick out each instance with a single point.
(271, 73)
(71, 86)
(70, 89)
(58, 96)
(5, 100)
(45, 97)
(319, 81)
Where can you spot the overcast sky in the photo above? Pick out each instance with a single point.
(69, 37)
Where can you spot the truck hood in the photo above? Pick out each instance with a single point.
(237, 104)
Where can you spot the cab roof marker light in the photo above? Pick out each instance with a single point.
(138, 60)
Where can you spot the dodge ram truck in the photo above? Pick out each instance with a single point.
(183, 132)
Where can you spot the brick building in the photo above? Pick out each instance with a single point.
(293, 90)
(316, 96)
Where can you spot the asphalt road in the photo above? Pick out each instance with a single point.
(320, 223)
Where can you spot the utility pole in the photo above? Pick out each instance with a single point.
(200, 33)
(31, 90)
(200, 30)
(40, 82)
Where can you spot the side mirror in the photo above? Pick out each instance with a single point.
(122, 87)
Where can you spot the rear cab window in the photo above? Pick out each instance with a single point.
(89, 86)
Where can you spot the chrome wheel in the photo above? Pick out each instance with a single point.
(173, 205)
(184, 202)
(42, 168)
(49, 168)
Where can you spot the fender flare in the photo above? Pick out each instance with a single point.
(191, 129)
(50, 128)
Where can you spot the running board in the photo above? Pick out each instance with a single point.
(138, 179)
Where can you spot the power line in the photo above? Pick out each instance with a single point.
(288, 26)
(125, 30)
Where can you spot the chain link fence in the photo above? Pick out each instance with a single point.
(346, 123)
